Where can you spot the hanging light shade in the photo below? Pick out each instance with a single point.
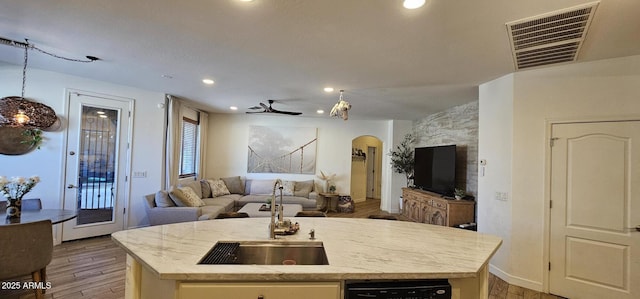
(17, 111)
(341, 108)
(21, 117)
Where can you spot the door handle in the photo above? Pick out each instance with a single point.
(71, 186)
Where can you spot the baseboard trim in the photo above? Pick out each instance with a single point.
(515, 280)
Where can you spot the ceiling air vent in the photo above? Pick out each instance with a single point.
(550, 38)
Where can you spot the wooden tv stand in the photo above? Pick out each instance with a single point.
(432, 208)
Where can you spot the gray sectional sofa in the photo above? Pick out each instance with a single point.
(223, 195)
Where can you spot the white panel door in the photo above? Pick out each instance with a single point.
(595, 207)
(371, 172)
(97, 164)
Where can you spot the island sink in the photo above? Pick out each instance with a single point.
(266, 253)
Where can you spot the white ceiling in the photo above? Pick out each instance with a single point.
(393, 63)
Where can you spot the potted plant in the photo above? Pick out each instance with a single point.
(33, 137)
(269, 199)
(402, 159)
(459, 193)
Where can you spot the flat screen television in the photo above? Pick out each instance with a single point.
(435, 169)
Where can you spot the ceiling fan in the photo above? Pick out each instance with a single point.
(269, 109)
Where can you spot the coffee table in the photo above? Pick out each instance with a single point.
(252, 208)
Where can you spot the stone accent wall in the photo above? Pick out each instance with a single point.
(459, 126)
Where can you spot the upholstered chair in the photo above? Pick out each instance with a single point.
(26, 248)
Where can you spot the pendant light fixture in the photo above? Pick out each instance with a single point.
(341, 108)
(20, 117)
(20, 112)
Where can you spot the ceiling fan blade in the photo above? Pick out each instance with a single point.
(269, 109)
(285, 112)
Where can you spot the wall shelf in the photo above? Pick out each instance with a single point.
(358, 158)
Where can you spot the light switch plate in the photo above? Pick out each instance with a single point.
(140, 174)
(501, 196)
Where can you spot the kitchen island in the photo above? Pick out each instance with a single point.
(162, 261)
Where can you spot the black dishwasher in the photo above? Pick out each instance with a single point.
(398, 289)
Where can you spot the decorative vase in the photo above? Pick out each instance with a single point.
(14, 208)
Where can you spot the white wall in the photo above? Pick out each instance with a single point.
(398, 129)
(599, 90)
(494, 146)
(49, 88)
(228, 141)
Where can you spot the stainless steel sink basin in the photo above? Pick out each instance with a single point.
(268, 253)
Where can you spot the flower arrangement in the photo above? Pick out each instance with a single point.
(328, 181)
(17, 187)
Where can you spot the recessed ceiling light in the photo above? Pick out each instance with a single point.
(328, 89)
(102, 115)
(320, 111)
(207, 81)
(233, 108)
(413, 4)
(100, 112)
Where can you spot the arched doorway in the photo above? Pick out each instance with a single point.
(366, 163)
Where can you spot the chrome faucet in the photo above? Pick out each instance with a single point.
(273, 224)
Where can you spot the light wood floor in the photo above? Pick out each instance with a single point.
(94, 268)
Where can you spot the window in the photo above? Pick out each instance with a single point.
(189, 148)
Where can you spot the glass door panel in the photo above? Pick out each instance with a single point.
(97, 164)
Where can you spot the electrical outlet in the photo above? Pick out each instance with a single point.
(140, 174)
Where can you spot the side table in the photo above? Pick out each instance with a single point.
(328, 198)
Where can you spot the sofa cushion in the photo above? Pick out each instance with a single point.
(218, 188)
(260, 187)
(194, 185)
(303, 188)
(227, 201)
(251, 198)
(210, 212)
(162, 199)
(288, 187)
(185, 197)
(206, 189)
(234, 184)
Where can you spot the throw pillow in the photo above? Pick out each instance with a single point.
(162, 199)
(185, 197)
(194, 185)
(218, 188)
(260, 187)
(303, 188)
(287, 188)
(206, 189)
(234, 184)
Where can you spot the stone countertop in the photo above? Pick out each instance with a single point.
(355, 248)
